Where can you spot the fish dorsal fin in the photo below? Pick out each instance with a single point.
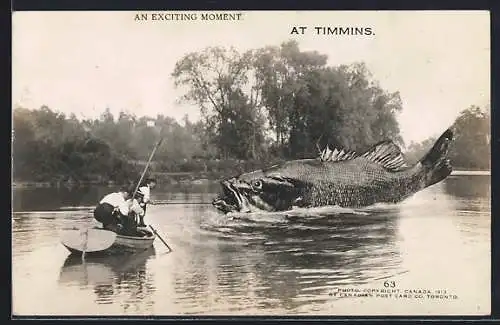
(388, 154)
(385, 153)
(336, 154)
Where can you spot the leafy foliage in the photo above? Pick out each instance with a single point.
(216, 79)
(260, 106)
(471, 147)
(289, 94)
(48, 146)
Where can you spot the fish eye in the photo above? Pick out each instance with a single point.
(257, 184)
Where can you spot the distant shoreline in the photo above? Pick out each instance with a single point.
(23, 184)
(193, 180)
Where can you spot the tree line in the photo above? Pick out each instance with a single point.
(50, 146)
(279, 100)
(260, 106)
(471, 146)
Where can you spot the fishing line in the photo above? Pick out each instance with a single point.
(181, 203)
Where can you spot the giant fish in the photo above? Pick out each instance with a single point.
(336, 177)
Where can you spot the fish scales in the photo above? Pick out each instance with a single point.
(337, 177)
(358, 183)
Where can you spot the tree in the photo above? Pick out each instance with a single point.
(367, 112)
(470, 148)
(417, 150)
(48, 146)
(291, 93)
(279, 72)
(471, 145)
(216, 79)
(307, 100)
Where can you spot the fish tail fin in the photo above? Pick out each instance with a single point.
(435, 162)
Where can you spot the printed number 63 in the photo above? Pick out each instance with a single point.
(389, 284)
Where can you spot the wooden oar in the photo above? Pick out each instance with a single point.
(157, 234)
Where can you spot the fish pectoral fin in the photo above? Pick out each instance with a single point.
(299, 202)
(388, 154)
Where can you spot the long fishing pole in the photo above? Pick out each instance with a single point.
(146, 168)
(139, 183)
(160, 202)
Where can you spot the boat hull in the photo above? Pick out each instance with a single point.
(120, 245)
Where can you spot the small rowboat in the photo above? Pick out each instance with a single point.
(99, 241)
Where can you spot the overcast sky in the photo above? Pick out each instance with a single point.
(83, 62)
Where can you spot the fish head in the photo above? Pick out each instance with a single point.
(258, 192)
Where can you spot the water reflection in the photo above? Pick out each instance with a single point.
(50, 199)
(467, 187)
(257, 264)
(281, 264)
(124, 279)
(472, 198)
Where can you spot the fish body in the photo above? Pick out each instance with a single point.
(337, 177)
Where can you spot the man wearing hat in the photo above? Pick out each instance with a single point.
(144, 196)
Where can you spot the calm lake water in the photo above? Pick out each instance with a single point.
(294, 263)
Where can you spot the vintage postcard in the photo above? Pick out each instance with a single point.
(251, 163)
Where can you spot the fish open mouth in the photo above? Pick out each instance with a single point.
(230, 199)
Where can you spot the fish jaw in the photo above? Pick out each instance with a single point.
(232, 198)
(240, 196)
(221, 204)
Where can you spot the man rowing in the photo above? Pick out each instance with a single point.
(117, 212)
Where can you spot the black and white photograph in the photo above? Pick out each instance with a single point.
(236, 163)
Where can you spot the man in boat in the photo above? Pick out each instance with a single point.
(128, 217)
(114, 209)
(144, 195)
(106, 210)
